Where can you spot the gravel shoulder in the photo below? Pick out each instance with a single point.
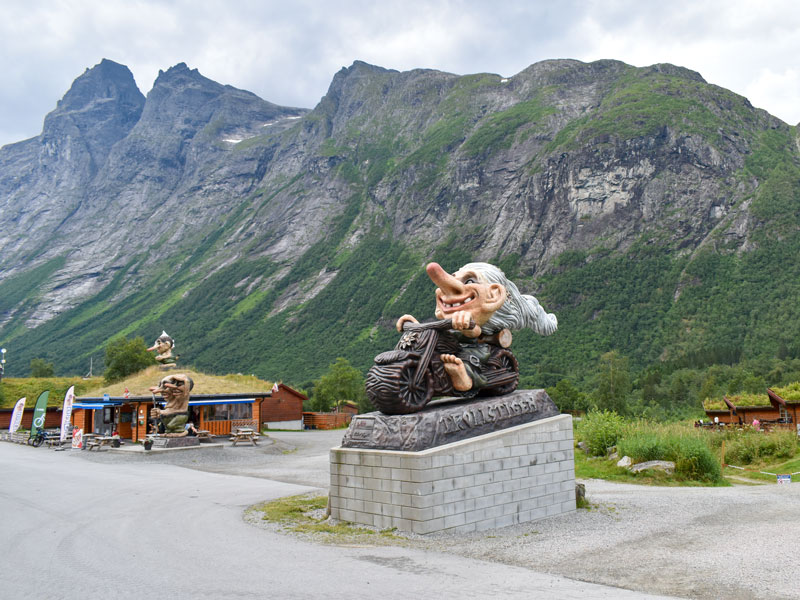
(738, 542)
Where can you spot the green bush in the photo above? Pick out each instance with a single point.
(601, 430)
(691, 453)
(694, 460)
(41, 368)
(643, 446)
(746, 447)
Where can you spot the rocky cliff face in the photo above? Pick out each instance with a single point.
(120, 194)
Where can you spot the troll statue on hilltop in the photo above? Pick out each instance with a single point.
(163, 347)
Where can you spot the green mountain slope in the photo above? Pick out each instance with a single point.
(655, 214)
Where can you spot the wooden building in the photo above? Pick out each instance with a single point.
(771, 411)
(788, 410)
(281, 408)
(52, 418)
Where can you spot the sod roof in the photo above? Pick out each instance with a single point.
(140, 383)
(715, 404)
(743, 400)
(789, 393)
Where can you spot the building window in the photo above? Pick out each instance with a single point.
(227, 412)
(241, 411)
(785, 418)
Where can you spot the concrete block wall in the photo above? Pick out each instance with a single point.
(521, 474)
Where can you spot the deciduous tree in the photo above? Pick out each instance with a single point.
(41, 368)
(125, 357)
(342, 383)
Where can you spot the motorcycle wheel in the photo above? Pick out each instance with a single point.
(504, 375)
(392, 390)
(415, 398)
(37, 441)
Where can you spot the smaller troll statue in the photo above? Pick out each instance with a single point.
(175, 390)
(163, 347)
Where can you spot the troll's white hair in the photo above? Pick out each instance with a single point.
(519, 310)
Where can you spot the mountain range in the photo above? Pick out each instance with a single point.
(657, 215)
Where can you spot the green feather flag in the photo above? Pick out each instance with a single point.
(39, 412)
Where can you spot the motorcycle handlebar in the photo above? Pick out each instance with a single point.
(443, 324)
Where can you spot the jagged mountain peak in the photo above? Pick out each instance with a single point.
(107, 79)
(104, 93)
(182, 74)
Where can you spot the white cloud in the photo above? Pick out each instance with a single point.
(778, 90)
(288, 52)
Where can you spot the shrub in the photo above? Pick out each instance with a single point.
(601, 430)
(692, 455)
(746, 447)
(694, 459)
(642, 446)
(41, 368)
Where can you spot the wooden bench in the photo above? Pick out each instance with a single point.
(20, 437)
(54, 442)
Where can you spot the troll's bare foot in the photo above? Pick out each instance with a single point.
(454, 367)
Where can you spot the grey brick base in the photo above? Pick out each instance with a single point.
(523, 473)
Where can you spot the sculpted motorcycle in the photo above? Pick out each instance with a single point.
(405, 379)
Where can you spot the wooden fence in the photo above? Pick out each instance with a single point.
(225, 427)
(312, 420)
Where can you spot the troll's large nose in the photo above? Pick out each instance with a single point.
(449, 285)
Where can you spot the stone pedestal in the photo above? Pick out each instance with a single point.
(448, 420)
(516, 475)
(176, 442)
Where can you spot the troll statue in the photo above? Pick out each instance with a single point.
(175, 390)
(466, 352)
(163, 347)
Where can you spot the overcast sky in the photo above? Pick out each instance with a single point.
(287, 51)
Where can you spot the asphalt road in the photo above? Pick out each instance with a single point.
(118, 527)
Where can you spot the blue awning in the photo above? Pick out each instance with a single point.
(207, 402)
(95, 405)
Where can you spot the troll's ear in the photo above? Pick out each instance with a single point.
(496, 297)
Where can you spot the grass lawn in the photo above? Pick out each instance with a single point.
(754, 471)
(306, 514)
(587, 467)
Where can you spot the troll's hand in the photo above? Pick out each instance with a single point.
(461, 322)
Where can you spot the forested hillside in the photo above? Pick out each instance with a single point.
(655, 214)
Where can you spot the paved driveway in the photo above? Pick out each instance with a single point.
(77, 528)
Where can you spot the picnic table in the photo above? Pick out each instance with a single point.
(97, 442)
(244, 434)
(54, 441)
(204, 435)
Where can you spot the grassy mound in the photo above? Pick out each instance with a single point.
(140, 383)
(14, 388)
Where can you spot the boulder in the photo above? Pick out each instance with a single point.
(660, 465)
(625, 462)
(580, 493)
